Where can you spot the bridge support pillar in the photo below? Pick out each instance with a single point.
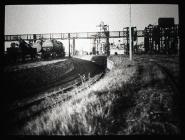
(73, 46)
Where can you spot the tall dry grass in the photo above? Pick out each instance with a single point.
(92, 111)
(133, 98)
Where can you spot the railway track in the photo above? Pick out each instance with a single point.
(175, 85)
(169, 75)
(166, 71)
(20, 121)
(70, 78)
(74, 80)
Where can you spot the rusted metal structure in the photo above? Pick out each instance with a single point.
(162, 38)
(104, 33)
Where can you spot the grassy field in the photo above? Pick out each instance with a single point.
(133, 98)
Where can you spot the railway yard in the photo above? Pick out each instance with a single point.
(135, 97)
(126, 83)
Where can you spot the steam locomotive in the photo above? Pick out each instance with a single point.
(56, 51)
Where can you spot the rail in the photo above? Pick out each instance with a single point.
(65, 96)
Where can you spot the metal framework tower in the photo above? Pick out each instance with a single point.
(104, 31)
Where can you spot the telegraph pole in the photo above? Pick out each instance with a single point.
(130, 36)
(73, 46)
(69, 44)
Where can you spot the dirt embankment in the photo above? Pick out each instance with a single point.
(25, 82)
(30, 107)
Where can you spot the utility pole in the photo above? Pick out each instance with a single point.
(73, 46)
(130, 36)
(69, 44)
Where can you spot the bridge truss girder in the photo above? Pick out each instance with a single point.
(63, 36)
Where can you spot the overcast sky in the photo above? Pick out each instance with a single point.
(28, 19)
(82, 18)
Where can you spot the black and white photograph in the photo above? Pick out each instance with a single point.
(91, 69)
